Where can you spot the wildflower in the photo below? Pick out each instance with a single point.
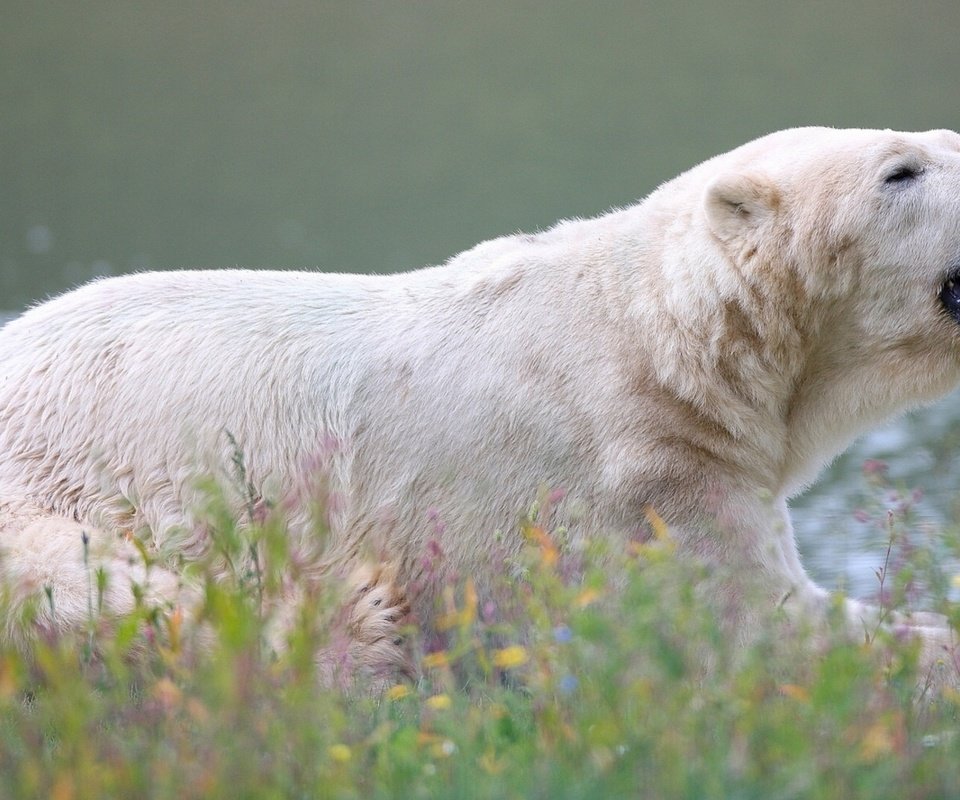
(459, 618)
(586, 597)
(197, 710)
(174, 624)
(562, 634)
(878, 742)
(398, 692)
(951, 695)
(548, 550)
(469, 613)
(491, 764)
(861, 516)
(510, 657)
(659, 527)
(8, 680)
(568, 684)
(443, 749)
(795, 692)
(437, 659)
(434, 553)
(340, 752)
(63, 789)
(167, 693)
(439, 702)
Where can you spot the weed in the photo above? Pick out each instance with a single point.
(595, 674)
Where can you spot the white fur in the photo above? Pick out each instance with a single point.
(704, 353)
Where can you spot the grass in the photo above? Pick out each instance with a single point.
(613, 681)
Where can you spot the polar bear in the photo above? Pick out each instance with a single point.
(702, 353)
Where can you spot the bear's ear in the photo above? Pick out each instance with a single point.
(739, 202)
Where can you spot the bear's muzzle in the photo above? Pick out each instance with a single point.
(950, 294)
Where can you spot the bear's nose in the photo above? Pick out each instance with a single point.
(950, 295)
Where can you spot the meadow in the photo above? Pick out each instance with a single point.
(599, 672)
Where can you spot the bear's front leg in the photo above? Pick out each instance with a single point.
(751, 542)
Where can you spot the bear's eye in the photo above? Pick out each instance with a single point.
(905, 173)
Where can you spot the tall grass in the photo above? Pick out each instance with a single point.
(611, 676)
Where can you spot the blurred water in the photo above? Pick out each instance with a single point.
(841, 521)
(374, 137)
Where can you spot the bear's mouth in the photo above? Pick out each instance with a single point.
(950, 294)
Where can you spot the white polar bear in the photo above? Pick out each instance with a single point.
(702, 353)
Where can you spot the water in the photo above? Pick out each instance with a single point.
(841, 521)
(372, 137)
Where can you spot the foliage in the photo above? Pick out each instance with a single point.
(610, 677)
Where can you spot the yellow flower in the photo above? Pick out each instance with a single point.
(451, 616)
(510, 657)
(398, 692)
(174, 624)
(659, 527)
(439, 702)
(491, 764)
(586, 597)
(951, 695)
(438, 659)
(447, 621)
(469, 613)
(548, 550)
(795, 692)
(877, 743)
(340, 752)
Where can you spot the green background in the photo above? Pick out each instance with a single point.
(378, 136)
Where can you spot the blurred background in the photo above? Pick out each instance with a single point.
(378, 136)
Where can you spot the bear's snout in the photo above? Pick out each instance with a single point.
(950, 294)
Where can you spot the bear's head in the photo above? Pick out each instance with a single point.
(841, 248)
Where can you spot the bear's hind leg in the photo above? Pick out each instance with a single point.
(59, 575)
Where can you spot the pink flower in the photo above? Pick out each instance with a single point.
(873, 466)
(556, 496)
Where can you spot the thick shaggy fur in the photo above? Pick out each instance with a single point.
(703, 353)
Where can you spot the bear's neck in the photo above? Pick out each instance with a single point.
(727, 350)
